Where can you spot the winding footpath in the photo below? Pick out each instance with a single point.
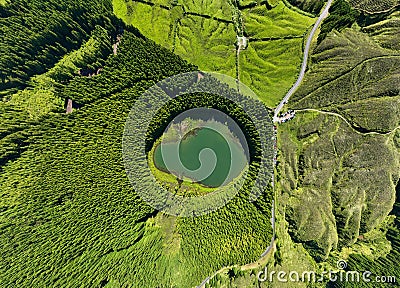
(321, 18)
(348, 123)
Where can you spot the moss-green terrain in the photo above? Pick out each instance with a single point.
(205, 34)
(69, 217)
(338, 163)
(339, 158)
(371, 7)
(311, 6)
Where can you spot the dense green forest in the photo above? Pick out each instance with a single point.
(68, 214)
(312, 6)
(338, 160)
(47, 30)
(341, 15)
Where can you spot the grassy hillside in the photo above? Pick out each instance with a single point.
(339, 157)
(279, 22)
(312, 6)
(270, 67)
(365, 89)
(325, 162)
(207, 43)
(385, 32)
(339, 161)
(204, 33)
(42, 94)
(68, 214)
(377, 6)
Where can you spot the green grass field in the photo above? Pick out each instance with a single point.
(155, 21)
(214, 8)
(208, 44)
(269, 67)
(278, 22)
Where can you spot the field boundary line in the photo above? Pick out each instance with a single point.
(352, 126)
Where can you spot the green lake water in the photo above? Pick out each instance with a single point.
(189, 151)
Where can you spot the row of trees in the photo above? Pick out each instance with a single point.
(240, 231)
(44, 45)
(312, 6)
(138, 59)
(36, 34)
(69, 216)
(341, 15)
